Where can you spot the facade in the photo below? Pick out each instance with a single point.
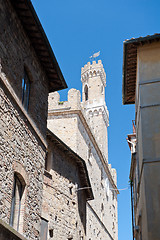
(66, 190)
(141, 85)
(28, 72)
(83, 127)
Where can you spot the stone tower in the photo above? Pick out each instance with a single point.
(82, 125)
(93, 79)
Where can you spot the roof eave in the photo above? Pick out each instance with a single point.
(129, 48)
(56, 81)
(125, 99)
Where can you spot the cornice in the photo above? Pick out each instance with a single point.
(100, 108)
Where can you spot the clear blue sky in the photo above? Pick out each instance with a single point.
(76, 29)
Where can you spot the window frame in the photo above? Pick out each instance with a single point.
(17, 195)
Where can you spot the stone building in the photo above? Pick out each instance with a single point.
(28, 72)
(83, 127)
(141, 85)
(65, 192)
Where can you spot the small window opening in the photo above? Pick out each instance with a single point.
(46, 160)
(70, 190)
(86, 92)
(102, 207)
(102, 89)
(51, 233)
(25, 90)
(112, 195)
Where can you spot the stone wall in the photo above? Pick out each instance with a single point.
(90, 76)
(63, 206)
(17, 54)
(104, 204)
(68, 121)
(21, 151)
(70, 137)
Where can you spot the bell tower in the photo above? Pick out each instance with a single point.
(93, 79)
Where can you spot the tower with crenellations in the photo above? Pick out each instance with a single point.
(82, 125)
(93, 79)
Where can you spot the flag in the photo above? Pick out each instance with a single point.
(95, 55)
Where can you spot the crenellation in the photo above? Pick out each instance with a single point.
(93, 70)
(74, 98)
(73, 102)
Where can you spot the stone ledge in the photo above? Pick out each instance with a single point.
(7, 232)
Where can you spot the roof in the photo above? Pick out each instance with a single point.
(79, 161)
(130, 65)
(40, 43)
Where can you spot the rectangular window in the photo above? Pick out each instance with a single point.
(25, 90)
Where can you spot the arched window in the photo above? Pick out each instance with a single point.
(17, 205)
(86, 92)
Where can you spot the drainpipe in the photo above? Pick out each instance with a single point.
(131, 185)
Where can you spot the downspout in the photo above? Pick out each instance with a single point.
(131, 185)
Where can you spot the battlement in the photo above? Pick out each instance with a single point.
(74, 101)
(92, 70)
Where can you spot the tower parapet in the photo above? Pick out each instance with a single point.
(93, 70)
(74, 101)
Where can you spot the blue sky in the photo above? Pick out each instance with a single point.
(75, 30)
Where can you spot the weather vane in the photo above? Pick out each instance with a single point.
(94, 55)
